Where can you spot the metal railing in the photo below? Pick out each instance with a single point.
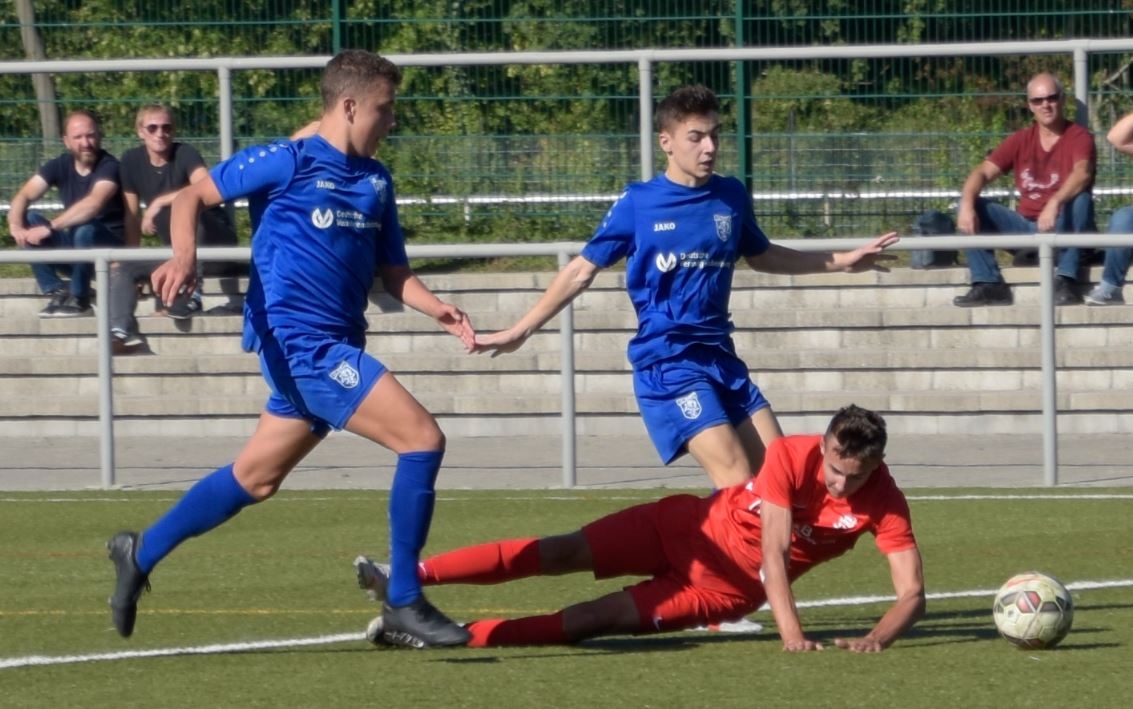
(1046, 244)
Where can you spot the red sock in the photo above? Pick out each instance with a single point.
(533, 630)
(484, 563)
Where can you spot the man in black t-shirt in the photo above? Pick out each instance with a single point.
(152, 174)
(86, 177)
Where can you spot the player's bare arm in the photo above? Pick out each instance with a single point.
(966, 220)
(571, 281)
(907, 573)
(180, 272)
(776, 547)
(780, 259)
(1079, 179)
(404, 285)
(31, 190)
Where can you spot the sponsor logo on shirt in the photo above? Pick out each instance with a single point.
(324, 185)
(846, 521)
(345, 375)
(322, 218)
(664, 226)
(689, 405)
(723, 226)
(666, 262)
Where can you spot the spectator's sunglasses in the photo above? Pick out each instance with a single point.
(152, 128)
(1040, 100)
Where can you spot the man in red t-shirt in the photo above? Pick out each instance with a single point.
(1054, 161)
(712, 559)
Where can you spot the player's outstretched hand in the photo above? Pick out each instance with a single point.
(174, 277)
(802, 646)
(498, 343)
(870, 256)
(858, 644)
(456, 322)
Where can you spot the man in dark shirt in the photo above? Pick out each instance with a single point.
(86, 177)
(152, 174)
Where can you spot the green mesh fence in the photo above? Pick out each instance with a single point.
(837, 147)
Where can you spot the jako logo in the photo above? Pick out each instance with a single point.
(324, 185)
(322, 218)
(664, 226)
(666, 262)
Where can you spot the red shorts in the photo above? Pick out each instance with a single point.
(666, 541)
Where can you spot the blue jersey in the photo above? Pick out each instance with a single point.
(680, 245)
(322, 222)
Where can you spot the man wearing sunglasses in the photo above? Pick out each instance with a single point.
(152, 174)
(1054, 161)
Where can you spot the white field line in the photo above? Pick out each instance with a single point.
(45, 660)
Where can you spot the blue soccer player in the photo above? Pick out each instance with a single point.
(681, 234)
(325, 222)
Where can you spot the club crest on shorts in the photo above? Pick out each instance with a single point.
(723, 226)
(690, 405)
(345, 375)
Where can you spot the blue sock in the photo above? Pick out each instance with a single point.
(209, 503)
(411, 499)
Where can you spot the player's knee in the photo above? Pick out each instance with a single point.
(564, 553)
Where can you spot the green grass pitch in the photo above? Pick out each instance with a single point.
(282, 571)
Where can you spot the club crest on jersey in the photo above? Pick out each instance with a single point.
(846, 521)
(723, 226)
(689, 405)
(322, 218)
(666, 262)
(379, 186)
(345, 375)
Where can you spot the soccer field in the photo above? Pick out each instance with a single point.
(265, 611)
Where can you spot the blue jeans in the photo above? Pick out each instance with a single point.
(1076, 217)
(1118, 258)
(83, 236)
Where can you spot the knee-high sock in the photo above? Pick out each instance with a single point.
(411, 499)
(533, 630)
(493, 562)
(213, 500)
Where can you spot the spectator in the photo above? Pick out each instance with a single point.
(152, 174)
(1117, 259)
(681, 234)
(1054, 162)
(86, 177)
(711, 558)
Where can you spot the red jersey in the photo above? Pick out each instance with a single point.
(1040, 173)
(824, 527)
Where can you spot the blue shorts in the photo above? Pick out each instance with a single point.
(679, 398)
(320, 379)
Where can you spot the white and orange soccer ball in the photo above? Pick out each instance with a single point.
(1033, 611)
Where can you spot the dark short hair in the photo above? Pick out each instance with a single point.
(355, 70)
(686, 101)
(859, 433)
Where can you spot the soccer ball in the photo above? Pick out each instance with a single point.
(1033, 611)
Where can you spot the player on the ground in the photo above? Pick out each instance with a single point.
(325, 224)
(711, 558)
(681, 235)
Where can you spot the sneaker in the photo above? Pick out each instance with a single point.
(372, 578)
(1066, 291)
(129, 584)
(126, 343)
(184, 307)
(54, 299)
(420, 625)
(1102, 295)
(65, 305)
(985, 294)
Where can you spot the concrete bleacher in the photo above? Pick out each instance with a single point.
(889, 341)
